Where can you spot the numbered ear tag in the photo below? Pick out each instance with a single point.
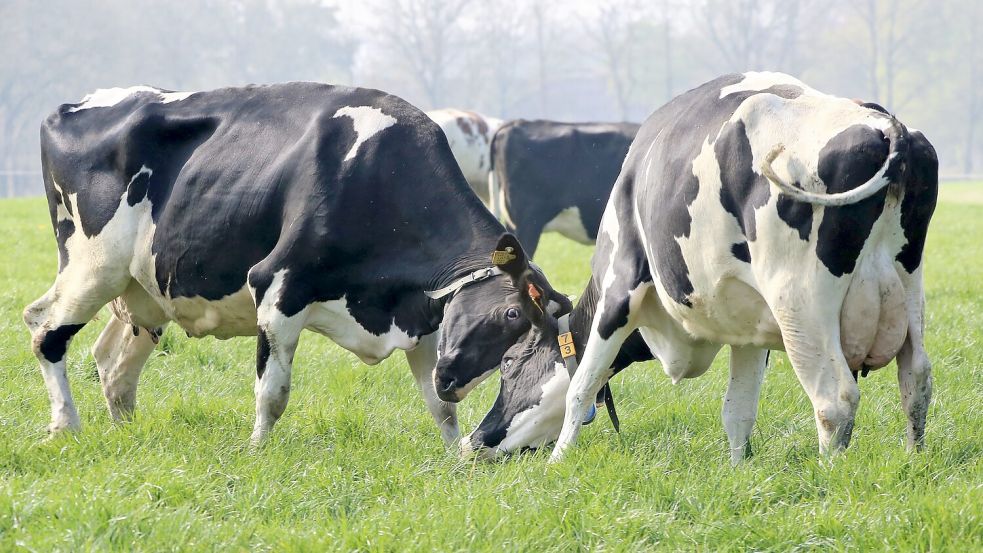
(500, 257)
(566, 345)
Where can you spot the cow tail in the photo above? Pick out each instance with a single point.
(495, 194)
(888, 173)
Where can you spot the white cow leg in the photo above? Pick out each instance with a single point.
(594, 371)
(422, 360)
(915, 368)
(53, 320)
(740, 409)
(276, 342)
(121, 352)
(814, 349)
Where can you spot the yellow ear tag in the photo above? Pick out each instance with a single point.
(500, 257)
(566, 345)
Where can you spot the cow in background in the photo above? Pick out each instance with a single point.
(549, 176)
(469, 135)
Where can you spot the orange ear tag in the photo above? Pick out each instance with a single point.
(535, 295)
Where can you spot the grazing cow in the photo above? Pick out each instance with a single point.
(470, 136)
(549, 176)
(263, 211)
(756, 212)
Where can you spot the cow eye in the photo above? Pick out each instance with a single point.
(507, 363)
(511, 313)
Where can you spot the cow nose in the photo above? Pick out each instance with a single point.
(446, 388)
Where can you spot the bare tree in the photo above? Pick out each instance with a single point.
(542, 31)
(974, 111)
(611, 35)
(423, 37)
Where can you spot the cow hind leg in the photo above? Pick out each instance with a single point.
(813, 347)
(53, 320)
(277, 335)
(422, 360)
(740, 409)
(120, 353)
(915, 369)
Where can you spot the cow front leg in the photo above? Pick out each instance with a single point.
(120, 353)
(740, 409)
(422, 360)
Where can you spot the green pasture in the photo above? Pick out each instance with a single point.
(356, 462)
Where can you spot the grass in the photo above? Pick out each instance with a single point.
(356, 462)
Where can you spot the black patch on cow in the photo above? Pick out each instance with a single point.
(741, 251)
(848, 160)
(664, 151)
(262, 352)
(787, 91)
(54, 342)
(875, 107)
(920, 194)
(797, 215)
(742, 190)
(545, 167)
(630, 264)
(63, 231)
(136, 191)
(94, 153)
(68, 204)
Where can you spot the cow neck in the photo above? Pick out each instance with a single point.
(465, 251)
(582, 316)
(578, 324)
(634, 348)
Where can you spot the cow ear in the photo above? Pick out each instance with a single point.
(539, 302)
(510, 257)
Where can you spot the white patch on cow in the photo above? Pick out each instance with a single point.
(724, 305)
(536, 426)
(541, 424)
(108, 97)
(569, 223)
(612, 228)
(761, 80)
(334, 320)
(168, 97)
(367, 121)
(144, 170)
(231, 315)
(470, 146)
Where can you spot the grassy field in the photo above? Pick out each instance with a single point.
(356, 462)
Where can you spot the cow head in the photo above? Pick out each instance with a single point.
(528, 412)
(484, 319)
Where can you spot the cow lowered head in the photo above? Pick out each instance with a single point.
(478, 326)
(528, 412)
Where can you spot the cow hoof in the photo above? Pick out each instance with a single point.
(60, 428)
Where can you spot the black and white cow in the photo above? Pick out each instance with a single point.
(263, 211)
(549, 176)
(756, 212)
(469, 135)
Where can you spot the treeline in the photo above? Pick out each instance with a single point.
(580, 60)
